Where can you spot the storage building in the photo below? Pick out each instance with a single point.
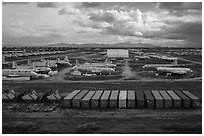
(195, 103)
(176, 99)
(104, 99)
(95, 100)
(76, 101)
(117, 53)
(85, 102)
(122, 99)
(158, 99)
(68, 99)
(113, 102)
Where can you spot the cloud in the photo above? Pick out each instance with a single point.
(180, 5)
(69, 10)
(125, 23)
(15, 3)
(17, 25)
(194, 28)
(181, 8)
(90, 4)
(115, 15)
(46, 5)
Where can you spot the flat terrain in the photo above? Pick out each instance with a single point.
(131, 76)
(124, 121)
(105, 121)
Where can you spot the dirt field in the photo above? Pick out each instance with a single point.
(125, 121)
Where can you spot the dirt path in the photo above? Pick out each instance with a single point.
(58, 77)
(131, 121)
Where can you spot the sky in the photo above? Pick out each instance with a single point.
(167, 24)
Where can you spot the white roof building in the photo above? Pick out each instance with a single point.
(117, 53)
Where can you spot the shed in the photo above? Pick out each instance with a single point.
(104, 99)
(68, 99)
(140, 101)
(186, 102)
(195, 103)
(176, 99)
(131, 99)
(122, 99)
(95, 100)
(85, 102)
(76, 101)
(149, 99)
(167, 99)
(158, 99)
(113, 101)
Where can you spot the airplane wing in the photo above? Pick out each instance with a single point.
(179, 72)
(97, 71)
(13, 75)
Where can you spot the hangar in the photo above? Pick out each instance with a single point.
(117, 53)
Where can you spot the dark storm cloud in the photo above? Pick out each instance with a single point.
(46, 5)
(90, 4)
(194, 28)
(180, 5)
(178, 30)
(174, 36)
(181, 8)
(14, 3)
(106, 17)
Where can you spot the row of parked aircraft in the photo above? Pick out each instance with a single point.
(169, 69)
(24, 53)
(106, 67)
(40, 69)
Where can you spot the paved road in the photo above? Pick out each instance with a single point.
(190, 61)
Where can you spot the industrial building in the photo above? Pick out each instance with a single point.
(118, 53)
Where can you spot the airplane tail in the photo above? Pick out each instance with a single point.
(47, 63)
(175, 62)
(77, 63)
(42, 59)
(107, 61)
(29, 62)
(3, 60)
(58, 59)
(66, 58)
(14, 65)
(33, 65)
(24, 52)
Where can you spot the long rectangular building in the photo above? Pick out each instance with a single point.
(118, 53)
(122, 99)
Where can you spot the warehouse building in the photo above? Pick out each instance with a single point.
(117, 53)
